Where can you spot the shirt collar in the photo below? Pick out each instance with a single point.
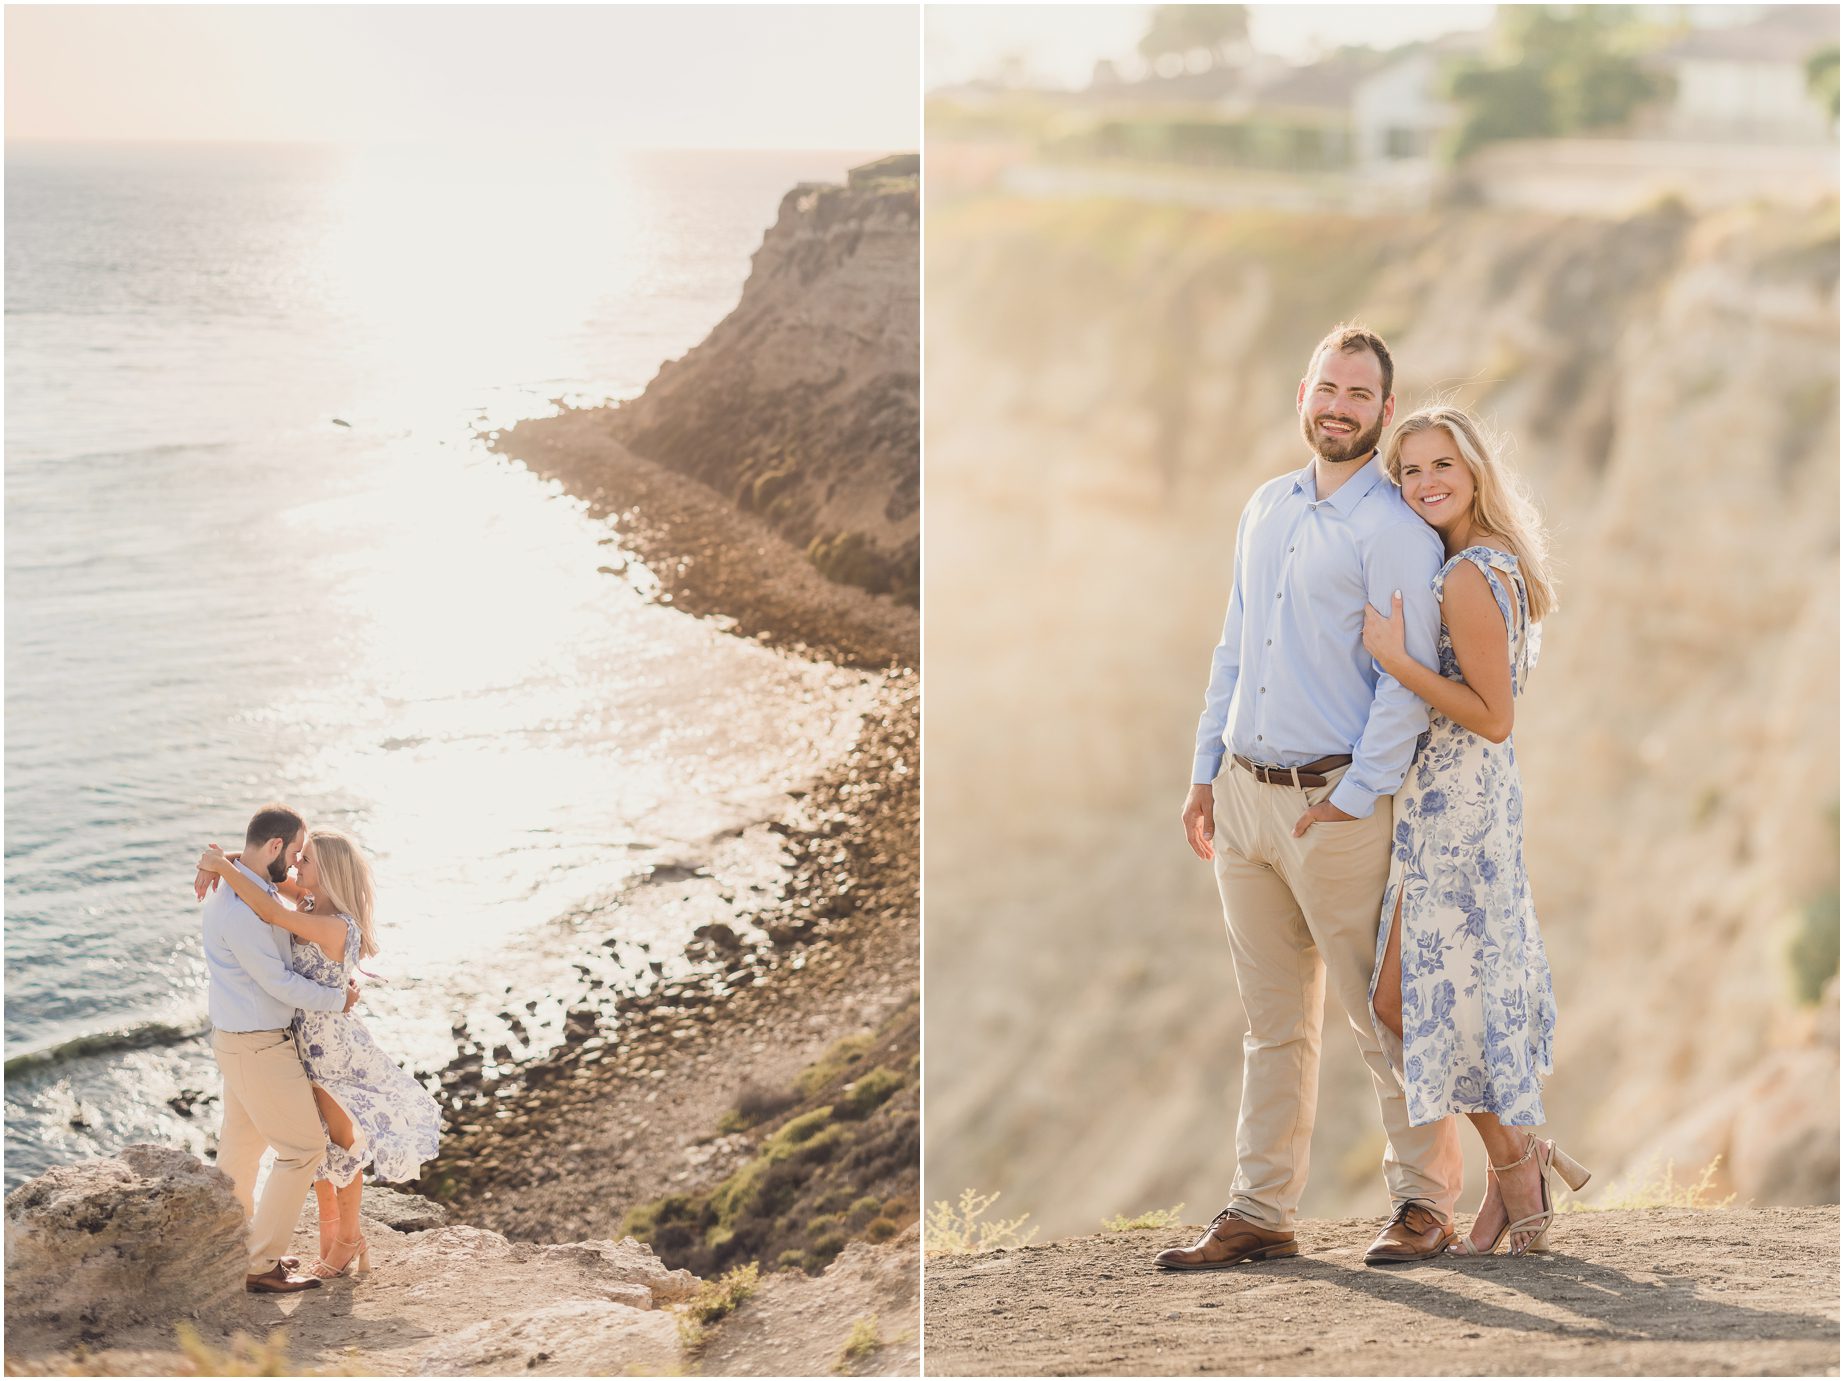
(1350, 493)
(258, 879)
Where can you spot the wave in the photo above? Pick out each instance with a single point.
(165, 448)
(134, 1036)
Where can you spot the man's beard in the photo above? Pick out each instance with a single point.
(1335, 449)
(278, 868)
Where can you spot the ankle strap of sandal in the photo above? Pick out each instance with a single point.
(1530, 1149)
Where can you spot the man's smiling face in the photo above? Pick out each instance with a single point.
(1342, 408)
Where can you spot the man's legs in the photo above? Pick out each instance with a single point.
(240, 1145)
(1338, 872)
(274, 1091)
(1282, 985)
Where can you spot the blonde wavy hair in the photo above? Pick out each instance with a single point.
(345, 883)
(1501, 508)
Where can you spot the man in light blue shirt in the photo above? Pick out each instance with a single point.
(268, 1101)
(1302, 743)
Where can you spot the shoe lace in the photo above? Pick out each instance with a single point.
(1402, 1209)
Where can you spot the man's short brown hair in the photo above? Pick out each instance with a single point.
(273, 821)
(1349, 337)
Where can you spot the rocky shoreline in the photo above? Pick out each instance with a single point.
(627, 1108)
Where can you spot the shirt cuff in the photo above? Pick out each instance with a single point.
(1352, 799)
(1204, 768)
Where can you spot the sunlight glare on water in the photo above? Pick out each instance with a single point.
(216, 596)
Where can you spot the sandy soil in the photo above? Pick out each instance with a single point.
(1667, 1292)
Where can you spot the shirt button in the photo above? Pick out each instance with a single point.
(1258, 738)
(1290, 550)
(1277, 595)
(1264, 690)
(1270, 642)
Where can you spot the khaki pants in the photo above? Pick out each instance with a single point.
(1297, 911)
(267, 1102)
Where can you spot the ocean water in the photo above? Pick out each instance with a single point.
(255, 550)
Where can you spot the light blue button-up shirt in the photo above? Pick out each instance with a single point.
(1290, 682)
(252, 987)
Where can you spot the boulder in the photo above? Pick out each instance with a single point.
(606, 1264)
(574, 1338)
(149, 1235)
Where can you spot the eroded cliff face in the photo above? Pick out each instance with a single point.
(1107, 385)
(802, 404)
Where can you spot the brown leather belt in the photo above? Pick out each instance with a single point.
(1306, 774)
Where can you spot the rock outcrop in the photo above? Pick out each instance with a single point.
(1772, 1135)
(151, 1235)
(111, 1255)
(802, 404)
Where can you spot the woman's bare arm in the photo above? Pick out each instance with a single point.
(329, 932)
(1483, 702)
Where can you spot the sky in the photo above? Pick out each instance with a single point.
(1060, 43)
(643, 76)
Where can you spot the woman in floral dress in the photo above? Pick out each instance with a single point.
(375, 1113)
(1461, 993)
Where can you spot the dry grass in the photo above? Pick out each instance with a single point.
(715, 1299)
(1653, 1187)
(961, 1229)
(863, 1340)
(1159, 1218)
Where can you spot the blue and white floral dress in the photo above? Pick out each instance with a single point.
(1478, 1014)
(398, 1125)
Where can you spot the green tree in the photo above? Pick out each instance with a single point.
(1562, 69)
(1219, 31)
(1822, 78)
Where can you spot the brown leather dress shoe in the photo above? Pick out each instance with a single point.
(1229, 1240)
(279, 1280)
(1415, 1232)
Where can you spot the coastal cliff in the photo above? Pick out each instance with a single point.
(801, 406)
(1670, 381)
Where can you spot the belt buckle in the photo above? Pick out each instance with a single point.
(1264, 772)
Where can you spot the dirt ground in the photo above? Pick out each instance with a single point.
(1661, 1292)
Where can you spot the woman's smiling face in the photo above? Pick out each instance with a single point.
(1435, 479)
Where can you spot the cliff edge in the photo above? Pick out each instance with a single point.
(802, 405)
(1661, 1292)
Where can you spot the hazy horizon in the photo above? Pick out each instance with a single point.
(722, 78)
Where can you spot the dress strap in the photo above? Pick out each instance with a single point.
(351, 953)
(1523, 637)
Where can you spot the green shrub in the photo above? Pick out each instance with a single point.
(881, 1229)
(868, 1093)
(1813, 953)
(863, 1340)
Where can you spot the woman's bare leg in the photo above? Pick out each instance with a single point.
(329, 1215)
(1510, 1194)
(339, 1126)
(346, 1199)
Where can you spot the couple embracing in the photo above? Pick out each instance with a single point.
(1355, 786)
(302, 1075)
